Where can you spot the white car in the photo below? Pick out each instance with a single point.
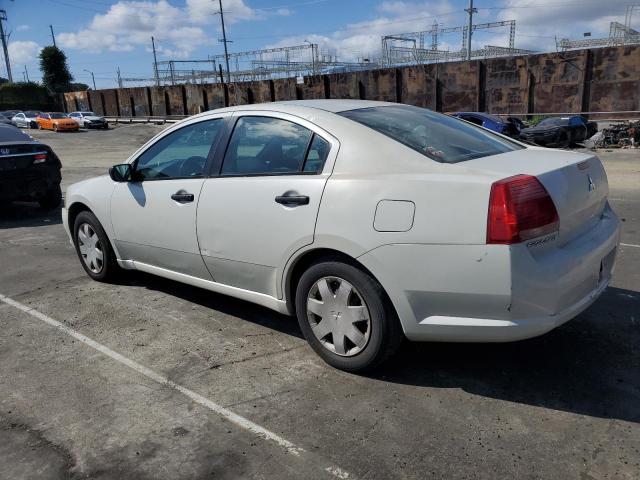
(370, 221)
(89, 120)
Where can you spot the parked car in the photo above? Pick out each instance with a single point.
(27, 119)
(89, 120)
(29, 170)
(56, 121)
(9, 114)
(370, 221)
(5, 121)
(505, 126)
(560, 131)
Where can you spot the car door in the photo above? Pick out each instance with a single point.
(154, 215)
(262, 205)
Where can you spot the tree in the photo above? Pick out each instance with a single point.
(55, 72)
(76, 87)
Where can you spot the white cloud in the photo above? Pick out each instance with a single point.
(535, 28)
(537, 25)
(23, 52)
(178, 31)
(363, 39)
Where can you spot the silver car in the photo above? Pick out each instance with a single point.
(26, 119)
(89, 120)
(371, 222)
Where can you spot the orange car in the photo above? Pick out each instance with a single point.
(56, 121)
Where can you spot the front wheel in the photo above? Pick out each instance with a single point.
(344, 315)
(93, 248)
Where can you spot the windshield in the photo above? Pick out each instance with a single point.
(436, 136)
(31, 113)
(88, 114)
(554, 122)
(58, 115)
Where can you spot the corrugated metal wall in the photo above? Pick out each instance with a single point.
(605, 79)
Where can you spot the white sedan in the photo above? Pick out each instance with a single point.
(371, 222)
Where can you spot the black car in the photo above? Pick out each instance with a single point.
(29, 170)
(560, 131)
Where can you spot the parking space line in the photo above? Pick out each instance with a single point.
(629, 245)
(238, 420)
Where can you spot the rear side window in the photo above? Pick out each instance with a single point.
(268, 146)
(318, 151)
(436, 136)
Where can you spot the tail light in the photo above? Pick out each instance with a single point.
(39, 158)
(520, 208)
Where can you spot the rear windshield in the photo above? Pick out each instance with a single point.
(9, 133)
(436, 136)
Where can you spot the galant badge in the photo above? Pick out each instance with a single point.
(4, 151)
(592, 186)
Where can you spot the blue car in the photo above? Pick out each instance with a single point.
(507, 126)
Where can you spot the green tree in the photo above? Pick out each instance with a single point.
(55, 72)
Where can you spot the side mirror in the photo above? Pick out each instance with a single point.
(120, 173)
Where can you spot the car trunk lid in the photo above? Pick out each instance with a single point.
(576, 182)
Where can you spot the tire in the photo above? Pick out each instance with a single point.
(106, 269)
(52, 198)
(377, 338)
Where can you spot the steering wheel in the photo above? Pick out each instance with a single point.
(192, 166)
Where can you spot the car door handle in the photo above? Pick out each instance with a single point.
(292, 200)
(182, 197)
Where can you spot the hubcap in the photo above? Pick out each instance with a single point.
(338, 316)
(90, 248)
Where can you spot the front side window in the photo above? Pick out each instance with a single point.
(181, 154)
(266, 146)
(436, 136)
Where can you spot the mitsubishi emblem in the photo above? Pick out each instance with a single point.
(592, 186)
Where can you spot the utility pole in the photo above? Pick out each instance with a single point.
(26, 73)
(3, 18)
(155, 62)
(53, 37)
(119, 78)
(470, 11)
(92, 77)
(225, 41)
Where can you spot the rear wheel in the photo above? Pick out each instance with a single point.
(52, 198)
(93, 248)
(344, 315)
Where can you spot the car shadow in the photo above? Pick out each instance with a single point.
(27, 214)
(589, 366)
(222, 303)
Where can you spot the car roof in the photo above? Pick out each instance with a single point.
(294, 106)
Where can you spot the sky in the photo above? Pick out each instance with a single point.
(104, 35)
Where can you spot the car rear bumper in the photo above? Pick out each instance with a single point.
(28, 184)
(494, 293)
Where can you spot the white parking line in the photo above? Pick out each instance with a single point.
(156, 377)
(629, 245)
